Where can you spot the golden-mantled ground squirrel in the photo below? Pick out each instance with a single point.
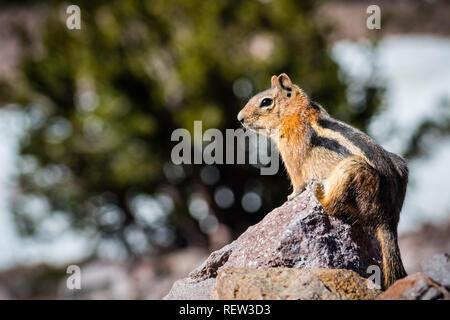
(355, 179)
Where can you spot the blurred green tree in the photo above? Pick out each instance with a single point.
(102, 102)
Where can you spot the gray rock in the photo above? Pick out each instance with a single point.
(208, 269)
(296, 235)
(188, 290)
(431, 294)
(417, 286)
(438, 269)
(417, 291)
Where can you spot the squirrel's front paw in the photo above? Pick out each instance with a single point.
(293, 195)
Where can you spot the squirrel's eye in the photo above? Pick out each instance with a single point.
(266, 102)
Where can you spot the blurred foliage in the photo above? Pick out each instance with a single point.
(433, 129)
(102, 102)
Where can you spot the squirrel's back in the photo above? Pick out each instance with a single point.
(358, 143)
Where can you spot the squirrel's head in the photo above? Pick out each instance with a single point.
(264, 112)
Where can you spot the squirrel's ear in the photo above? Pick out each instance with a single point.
(274, 81)
(284, 83)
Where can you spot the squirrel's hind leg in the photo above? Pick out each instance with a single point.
(349, 189)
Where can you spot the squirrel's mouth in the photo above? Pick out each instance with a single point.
(252, 126)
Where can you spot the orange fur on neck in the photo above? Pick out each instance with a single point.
(293, 132)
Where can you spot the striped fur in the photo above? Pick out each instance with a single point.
(356, 179)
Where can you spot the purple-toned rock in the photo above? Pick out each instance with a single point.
(296, 235)
(208, 269)
(300, 235)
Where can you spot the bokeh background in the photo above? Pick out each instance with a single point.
(86, 118)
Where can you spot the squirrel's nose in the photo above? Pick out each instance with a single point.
(240, 116)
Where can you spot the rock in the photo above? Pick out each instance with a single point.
(208, 269)
(438, 269)
(292, 284)
(296, 235)
(417, 286)
(186, 290)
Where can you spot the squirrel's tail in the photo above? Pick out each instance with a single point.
(392, 263)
